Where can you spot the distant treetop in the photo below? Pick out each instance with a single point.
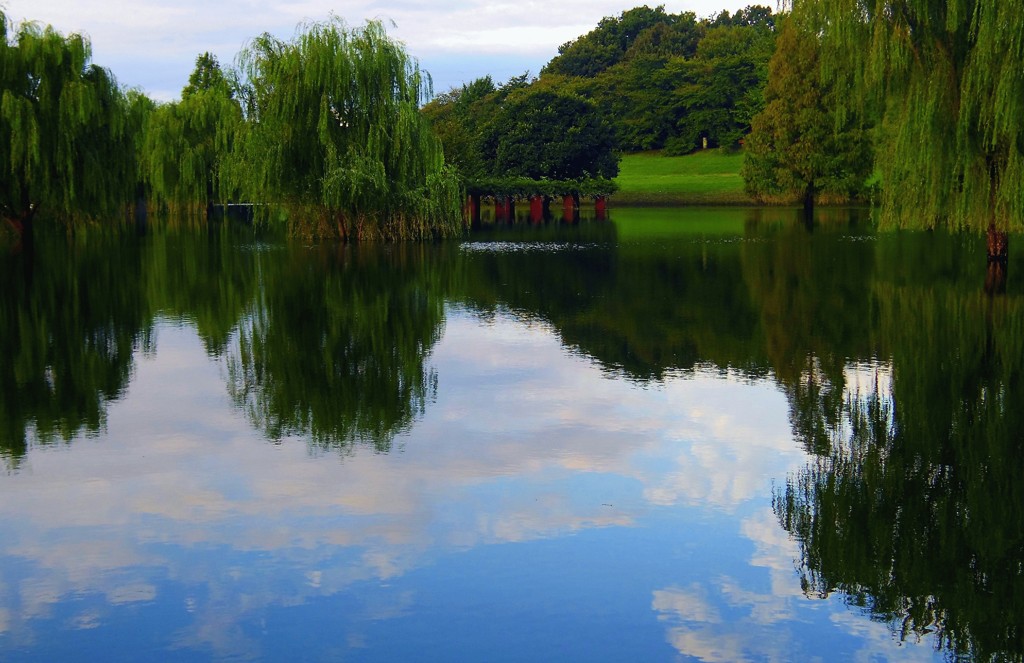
(206, 76)
(643, 29)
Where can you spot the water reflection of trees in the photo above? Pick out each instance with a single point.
(335, 345)
(206, 276)
(72, 315)
(904, 380)
(331, 343)
(640, 308)
(811, 291)
(913, 508)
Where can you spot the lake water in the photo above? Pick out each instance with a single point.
(698, 435)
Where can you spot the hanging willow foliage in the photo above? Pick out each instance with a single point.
(335, 136)
(66, 129)
(948, 75)
(187, 145)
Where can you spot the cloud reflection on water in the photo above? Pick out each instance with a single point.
(181, 495)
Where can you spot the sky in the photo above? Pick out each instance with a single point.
(153, 44)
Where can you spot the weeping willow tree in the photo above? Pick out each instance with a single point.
(66, 132)
(335, 136)
(948, 76)
(188, 143)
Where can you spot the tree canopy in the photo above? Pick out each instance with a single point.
(188, 144)
(947, 76)
(335, 135)
(524, 130)
(207, 75)
(671, 80)
(66, 133)
(545, 133)
(799, 148)
(721, 88)
(612, 39)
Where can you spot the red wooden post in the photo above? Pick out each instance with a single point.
(571, 208)
(508, 209)
(600, 207)
(536, 209)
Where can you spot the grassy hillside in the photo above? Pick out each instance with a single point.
(708, 177)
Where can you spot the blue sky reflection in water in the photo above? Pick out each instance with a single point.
(541, 507)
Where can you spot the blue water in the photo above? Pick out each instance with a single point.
(540, 503)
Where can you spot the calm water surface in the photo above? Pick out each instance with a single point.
(676, 435)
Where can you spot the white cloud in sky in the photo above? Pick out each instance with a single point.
(153, 44)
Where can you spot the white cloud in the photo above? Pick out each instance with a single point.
(153, 43)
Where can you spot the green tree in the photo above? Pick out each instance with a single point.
(546, 133)
(637, 97)
(949, 78)
(750, 16)
(722, 88)
(798, 148)
(678, 80)
(335, 136)
(459, 117)
(607, 44)
(188, 144)
(207, 75)
(678, 38)
(66, 143)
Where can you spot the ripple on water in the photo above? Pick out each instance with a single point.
(526, 247)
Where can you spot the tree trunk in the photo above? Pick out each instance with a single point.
(23, 229)
(809, 204)
(998, 244)
(474, 210)
(995, 277)
(22, 224)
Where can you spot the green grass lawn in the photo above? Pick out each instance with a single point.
(708, 177)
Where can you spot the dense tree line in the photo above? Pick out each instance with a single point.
(523, 130)
(671, 80)
(330, 129)
(325, 128)
(646, 79)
